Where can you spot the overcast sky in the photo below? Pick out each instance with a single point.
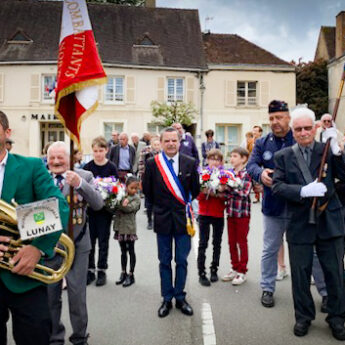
(286, 28)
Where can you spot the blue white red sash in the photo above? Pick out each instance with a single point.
(169, 177)
(176, 189)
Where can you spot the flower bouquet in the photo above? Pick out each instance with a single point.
(112, 191)
(216, 180)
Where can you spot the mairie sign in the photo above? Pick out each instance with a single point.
(38, 218)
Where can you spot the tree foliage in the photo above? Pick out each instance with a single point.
(312, 85)
(167, 114)
(122, 2)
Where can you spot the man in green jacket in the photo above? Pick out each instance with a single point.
(25, 180)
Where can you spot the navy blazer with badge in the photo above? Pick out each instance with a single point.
(287, 183)
(262, 158)
(170, 214)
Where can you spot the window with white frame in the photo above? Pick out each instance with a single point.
(115, 90)
(108, 127)
(175, 87)
(228, 137)
(247, 93)
(48, 88)
(154, 129)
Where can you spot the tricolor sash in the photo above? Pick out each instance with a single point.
(175, 188)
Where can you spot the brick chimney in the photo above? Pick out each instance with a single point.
(340, 34)
(150, 3)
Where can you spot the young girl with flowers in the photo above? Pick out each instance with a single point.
(125, 229)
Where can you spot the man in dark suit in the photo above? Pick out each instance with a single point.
(170, 215)
(84, 194)
(123, 156)
(25, 179)
(294, 179)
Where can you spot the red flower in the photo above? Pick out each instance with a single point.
(206, 177)
(223, 180)
(115, 190)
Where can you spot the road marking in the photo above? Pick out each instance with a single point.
(208, 332)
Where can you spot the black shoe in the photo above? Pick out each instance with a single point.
(301, 328)
(203, 280)
(338, 331)
(149, 226)
(164, 309)
(214, 275)
(324, 305)
(101, 278)
(267, 299)
(122, 278)
(184, 307)
(91, 276)
(129, 280)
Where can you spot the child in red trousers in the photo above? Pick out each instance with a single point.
(238, 213)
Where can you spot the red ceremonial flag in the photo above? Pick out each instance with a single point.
(79, 68)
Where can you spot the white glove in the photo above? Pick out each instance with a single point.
(332, 133)
(313, 189)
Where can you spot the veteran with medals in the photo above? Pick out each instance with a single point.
(25, 180)
(170, 183)
(84, 194)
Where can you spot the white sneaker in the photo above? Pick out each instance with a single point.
(281, 275)
(240, 279)
(230, 276)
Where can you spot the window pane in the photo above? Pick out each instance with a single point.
(252, 85)
(49, 83)
(108, 127)
(241, 85)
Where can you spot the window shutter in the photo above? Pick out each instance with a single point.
(264, 93)
(130, 94)
(160, 89)
(2, 86)
(190, 90)
(35, 88)
(230, 93)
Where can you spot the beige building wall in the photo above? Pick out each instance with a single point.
(21, 98)
(221, 107)
(335, 70)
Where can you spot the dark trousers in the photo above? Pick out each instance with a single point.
(205, 223)
(99, 224)
(127, 247)
(182, 249)
(149, 209)
(238, 229)
(30, 316)
(330, 253)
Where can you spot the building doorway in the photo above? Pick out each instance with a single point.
(50, 132)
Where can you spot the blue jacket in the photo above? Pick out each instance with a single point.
(262, 158)
(187, 147)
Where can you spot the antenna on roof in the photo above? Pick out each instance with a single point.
(207, 19)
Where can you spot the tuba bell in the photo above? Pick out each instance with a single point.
(41, 272)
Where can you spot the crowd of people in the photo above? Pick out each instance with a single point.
(165, 170)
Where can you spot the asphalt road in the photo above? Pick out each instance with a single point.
(128, 316)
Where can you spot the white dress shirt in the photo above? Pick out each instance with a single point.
(175, 164)
(2, 171)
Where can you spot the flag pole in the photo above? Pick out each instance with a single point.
(71, 193)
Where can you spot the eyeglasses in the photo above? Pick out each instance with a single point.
(328, 121)
(306, 128)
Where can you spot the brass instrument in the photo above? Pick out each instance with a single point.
(8, 224)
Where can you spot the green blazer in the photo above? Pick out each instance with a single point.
(26, 180)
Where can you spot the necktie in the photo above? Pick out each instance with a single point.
(59, 183)
(307, 155)
(171, 161)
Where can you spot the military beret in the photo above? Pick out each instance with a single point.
(276, 106)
